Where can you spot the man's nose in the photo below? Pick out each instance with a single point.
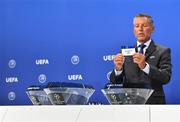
(140, 28)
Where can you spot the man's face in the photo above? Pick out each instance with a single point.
(142, 29)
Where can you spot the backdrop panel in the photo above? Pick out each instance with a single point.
(45, 41)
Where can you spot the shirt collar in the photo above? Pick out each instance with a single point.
(146, 43)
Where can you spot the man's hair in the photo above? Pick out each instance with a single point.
(147, 16)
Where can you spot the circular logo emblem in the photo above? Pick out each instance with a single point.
(108, 75)
(11, 96)
(42, 78)
(75, 59)
(12, 63)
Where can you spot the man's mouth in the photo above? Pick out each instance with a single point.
(140, 34)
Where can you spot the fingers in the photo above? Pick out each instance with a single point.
(118, 61)
(119, 58)
(136, 58)
(139, 59)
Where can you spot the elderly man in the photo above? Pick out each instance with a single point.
(149, 67)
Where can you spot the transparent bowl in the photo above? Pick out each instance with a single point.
(37, 96)
(118, 95)
(69, 93)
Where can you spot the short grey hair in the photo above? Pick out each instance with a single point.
(147, 16)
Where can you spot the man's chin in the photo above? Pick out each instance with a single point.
(141, 39)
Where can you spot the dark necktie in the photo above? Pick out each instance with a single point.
(142, 46)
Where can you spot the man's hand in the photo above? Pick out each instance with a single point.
(118, 61)
(139, 59)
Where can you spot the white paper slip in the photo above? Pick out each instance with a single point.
(128, 51)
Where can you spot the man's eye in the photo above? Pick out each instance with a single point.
(145, 25)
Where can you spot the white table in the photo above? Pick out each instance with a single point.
(91, 113)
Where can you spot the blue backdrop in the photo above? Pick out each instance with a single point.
(45, 41)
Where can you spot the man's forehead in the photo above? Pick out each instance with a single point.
(141, 20)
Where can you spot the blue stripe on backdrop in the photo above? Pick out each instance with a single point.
(41, 36)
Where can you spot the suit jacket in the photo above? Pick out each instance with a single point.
(159, 60)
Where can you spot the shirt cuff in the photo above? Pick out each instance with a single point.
(146, 68)
(117, 72)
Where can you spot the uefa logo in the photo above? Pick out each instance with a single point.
(42, 78)
(42, 61)
(75, 59)
(12, 64)
(11, 96)
(108, 75)
(75, 77)
(108, 57)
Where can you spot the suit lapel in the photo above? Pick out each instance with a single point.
(150, 49)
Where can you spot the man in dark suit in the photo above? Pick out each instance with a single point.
(149, 67)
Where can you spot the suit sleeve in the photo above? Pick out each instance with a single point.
(161, 74)
(116, 79)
